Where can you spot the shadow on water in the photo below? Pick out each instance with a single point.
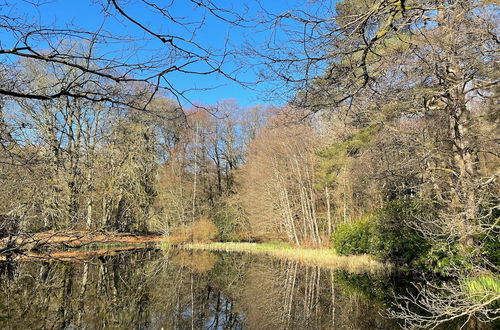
(151, 289)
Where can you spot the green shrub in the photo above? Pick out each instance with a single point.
(386, 234)
(490, 242)
(444, 259)
(354, 238)
(490, 249)
(394, 240)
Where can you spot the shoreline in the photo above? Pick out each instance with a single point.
(71, 245)
(324, 258)
(64, 240)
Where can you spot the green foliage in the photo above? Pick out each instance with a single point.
(202, 230)
(490, 241)
(354, 238)
(482, 288)
(443, 259)
(336, 156)
(490, 249)
(385, 234)
(224, 219)
(394, 240)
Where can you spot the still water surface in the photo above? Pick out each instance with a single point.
(152, 289)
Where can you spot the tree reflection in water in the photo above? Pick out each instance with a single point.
(152, 289)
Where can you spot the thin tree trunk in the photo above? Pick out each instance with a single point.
(328, 211)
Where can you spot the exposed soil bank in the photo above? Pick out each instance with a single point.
(77, 255)
(64, 240)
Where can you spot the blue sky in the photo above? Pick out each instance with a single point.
(88, 14)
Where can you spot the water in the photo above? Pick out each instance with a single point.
(152, 289)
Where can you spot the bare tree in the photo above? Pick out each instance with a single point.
(146, 55)
(437, 305)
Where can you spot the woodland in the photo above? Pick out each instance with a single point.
(387, 142)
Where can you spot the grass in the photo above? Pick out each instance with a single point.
(165, 245)
(324, 258)
(482, 288)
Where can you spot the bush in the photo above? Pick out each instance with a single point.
(200, 231)
(354, 238)
(394, 240)
(490, 250)
(490, 243)
(444, 259)
(386, 234)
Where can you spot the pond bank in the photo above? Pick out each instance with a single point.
(64, 240)
(324, 258)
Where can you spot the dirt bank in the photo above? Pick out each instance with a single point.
(63, 240)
